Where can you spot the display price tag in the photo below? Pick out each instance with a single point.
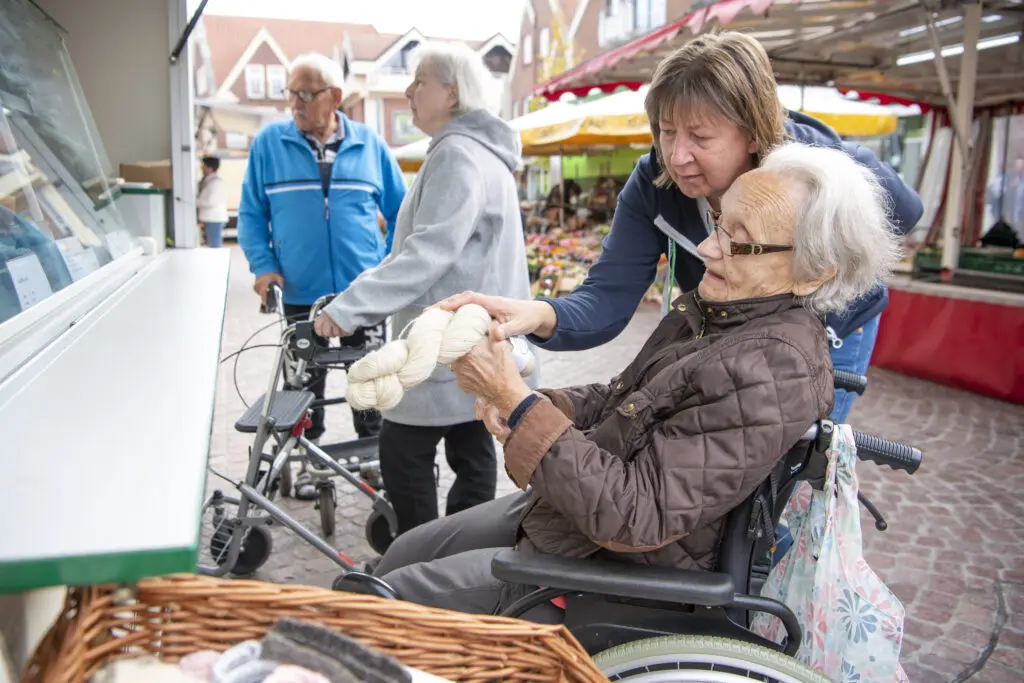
(29, 279)
(80, 261)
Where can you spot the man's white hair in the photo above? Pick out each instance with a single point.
(330, 71)
(457, 64)
(844, 225)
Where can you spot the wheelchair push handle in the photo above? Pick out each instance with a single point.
(898, 456)
(850, 381)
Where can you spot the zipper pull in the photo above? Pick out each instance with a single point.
(833, 339)
(327, 210)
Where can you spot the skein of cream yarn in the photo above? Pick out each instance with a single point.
(380, 378)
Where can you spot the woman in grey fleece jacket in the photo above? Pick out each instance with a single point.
(459, 229)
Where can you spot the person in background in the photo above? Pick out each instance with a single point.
(308, 214)
(714, 111)
(212, 202)
(459, 228)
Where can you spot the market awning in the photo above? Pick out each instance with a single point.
(878, 46)
(620, 120)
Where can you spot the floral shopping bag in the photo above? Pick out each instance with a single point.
(852, 623)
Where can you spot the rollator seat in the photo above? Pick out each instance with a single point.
(286, 410)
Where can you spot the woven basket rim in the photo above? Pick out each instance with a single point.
(177, 614)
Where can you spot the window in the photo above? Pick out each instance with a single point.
(255, 82)
(545, 41)
(59, 217)
(401, 62)
(527, 49)
(277, 81)
(642, 20)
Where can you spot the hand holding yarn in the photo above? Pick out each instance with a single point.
(438, 337)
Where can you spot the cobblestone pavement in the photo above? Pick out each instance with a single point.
(954, 551)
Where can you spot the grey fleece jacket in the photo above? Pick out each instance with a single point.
(459, 229)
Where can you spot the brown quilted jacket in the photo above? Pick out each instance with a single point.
(647, 467)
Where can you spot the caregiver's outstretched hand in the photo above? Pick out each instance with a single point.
(514, 316)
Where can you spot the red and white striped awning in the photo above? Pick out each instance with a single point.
(881, 47)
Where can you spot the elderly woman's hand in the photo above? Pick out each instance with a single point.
(489, 372)
(492, 419)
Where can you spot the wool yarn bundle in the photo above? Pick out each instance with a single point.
(437, 337)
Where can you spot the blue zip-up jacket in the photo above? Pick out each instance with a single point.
(647, 216)
(318, 244)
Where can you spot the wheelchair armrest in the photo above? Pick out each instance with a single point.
(619, 579)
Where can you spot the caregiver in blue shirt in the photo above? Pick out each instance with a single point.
(714, 112)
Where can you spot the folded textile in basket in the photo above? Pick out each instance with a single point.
(366, 664)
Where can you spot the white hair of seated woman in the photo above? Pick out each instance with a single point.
(844, 224)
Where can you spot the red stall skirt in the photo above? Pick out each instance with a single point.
(960, 343)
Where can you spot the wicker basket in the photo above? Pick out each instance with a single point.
(175, 616)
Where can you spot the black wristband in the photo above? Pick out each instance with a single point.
(520, 410)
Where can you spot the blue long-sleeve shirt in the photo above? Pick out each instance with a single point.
(647, 217)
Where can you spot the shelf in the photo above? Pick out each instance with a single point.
(107, 435)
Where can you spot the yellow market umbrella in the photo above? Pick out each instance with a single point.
(849, 118)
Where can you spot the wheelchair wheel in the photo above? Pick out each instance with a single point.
(700, 659)
(378, 532)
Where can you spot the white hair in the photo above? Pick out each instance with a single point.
(330, 71)
(844, 234)
(457, 64)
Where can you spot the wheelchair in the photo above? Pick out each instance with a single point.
(240, 542)
(647, 624)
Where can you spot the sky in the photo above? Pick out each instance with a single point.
(463, 19)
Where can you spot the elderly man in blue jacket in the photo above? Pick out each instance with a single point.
(308, 215)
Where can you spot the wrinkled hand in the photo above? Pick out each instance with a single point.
(489, 372)
(325, 326)
(263, 283)
(487, 413)
(514, 316)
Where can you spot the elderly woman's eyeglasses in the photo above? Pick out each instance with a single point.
(306, 96)
(728, 246)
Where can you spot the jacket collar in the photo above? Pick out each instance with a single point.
(354, 135)
(712, 316)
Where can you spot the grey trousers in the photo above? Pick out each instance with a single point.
(446, 563)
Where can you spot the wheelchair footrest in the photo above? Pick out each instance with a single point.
(621, 579)
(287, 409)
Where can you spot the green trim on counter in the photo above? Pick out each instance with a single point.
(143, 190)
(89, 570)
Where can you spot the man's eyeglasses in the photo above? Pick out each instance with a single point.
(728, 246)
(306, 96)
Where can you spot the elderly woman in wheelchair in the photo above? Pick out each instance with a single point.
(644, 472)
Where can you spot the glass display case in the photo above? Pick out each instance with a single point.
(59, 220)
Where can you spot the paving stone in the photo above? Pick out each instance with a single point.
(955, 527)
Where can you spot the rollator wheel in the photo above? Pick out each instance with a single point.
(378, 532)
(733, 661)
(256, 548)
(327, 504)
